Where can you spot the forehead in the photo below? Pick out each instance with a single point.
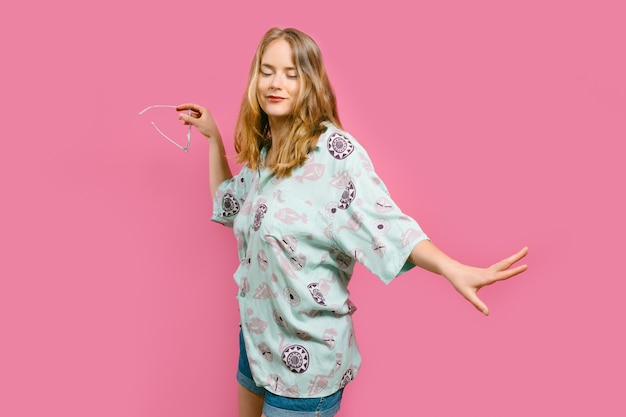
(278, 54)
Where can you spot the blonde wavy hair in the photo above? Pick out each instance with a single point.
(315, 104)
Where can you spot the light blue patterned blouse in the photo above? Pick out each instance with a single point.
(298, 240)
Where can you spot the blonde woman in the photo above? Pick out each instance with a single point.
(305, 207)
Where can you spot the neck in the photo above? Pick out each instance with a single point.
(278, 130)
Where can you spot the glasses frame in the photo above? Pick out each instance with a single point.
(184, 148)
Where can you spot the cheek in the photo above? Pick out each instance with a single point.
(295, 88)
(259, 85)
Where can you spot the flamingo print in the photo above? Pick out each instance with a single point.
(320, 382)
(279, 388)
(290, 216)
(312, 172)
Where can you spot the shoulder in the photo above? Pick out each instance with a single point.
(339, 145)
(341, 151)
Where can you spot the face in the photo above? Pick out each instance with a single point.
(278, 83)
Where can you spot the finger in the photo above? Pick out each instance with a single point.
(507, 262)
(190, 106)
(472, 297)
(188, 116)
(509, 273)
(187, 119)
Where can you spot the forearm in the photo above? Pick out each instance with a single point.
(429, 257)
(219, 170)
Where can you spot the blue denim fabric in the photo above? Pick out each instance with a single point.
(244, 374)
(277, 406)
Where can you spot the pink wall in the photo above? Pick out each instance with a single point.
(495, 125)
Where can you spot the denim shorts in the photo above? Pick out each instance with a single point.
(277, 406)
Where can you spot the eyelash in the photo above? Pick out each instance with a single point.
(269, 74)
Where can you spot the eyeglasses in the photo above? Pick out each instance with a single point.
(184, 148)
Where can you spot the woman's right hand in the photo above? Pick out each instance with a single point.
(200, 118)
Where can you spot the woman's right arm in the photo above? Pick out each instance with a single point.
(202, 120)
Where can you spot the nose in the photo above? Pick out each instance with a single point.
(275, 83)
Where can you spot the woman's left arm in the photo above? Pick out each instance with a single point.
(467, 280)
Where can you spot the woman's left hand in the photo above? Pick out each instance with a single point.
(467, 280)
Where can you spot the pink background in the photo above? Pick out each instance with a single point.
(496, 124)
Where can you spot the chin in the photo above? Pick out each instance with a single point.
(278, 114)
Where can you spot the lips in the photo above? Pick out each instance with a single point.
(275, 99)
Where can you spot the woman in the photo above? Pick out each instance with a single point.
(306, 206)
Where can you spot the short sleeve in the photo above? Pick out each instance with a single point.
(368, 224)
(230, 197)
